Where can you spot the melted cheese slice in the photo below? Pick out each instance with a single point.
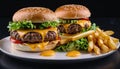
(42, 32)
(66, 27)
(82, 23)
(73, 53)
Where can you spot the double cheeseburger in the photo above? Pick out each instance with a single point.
(74, 24)
(34, 29)
(73, 18)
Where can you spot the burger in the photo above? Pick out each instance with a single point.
(34, 29)
(74, 20)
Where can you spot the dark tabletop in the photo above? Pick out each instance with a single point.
(109, 62)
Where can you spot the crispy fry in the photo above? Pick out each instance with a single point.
(109, 32)
(116, 41)
(96, 50)
(94, 39)
(90, 46)
(81, 35)
(101, 33)
(96, 34)
(90, 43)
(111, 44)
(90, 37)
(103, 46)
(100, 42)
(64, 40)
(105, 41)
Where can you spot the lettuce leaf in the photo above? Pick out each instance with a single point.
(49, 24)
(20, 25)
(81, 44)
(93, 27)
(30, 25)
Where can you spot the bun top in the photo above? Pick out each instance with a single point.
(34, 14)
(72, 11)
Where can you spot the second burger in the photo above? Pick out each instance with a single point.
(74, 24)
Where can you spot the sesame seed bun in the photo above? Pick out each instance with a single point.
(34, 14)
(72, 11)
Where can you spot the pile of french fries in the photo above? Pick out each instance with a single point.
(101, 41)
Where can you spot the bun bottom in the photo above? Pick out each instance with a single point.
(27, 48)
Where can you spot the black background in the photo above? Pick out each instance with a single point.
(98, 8)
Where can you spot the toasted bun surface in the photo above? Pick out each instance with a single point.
(72, 11)
(34, 14)
(24, 47)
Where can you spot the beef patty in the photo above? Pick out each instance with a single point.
(61, 29)
(34, 37)
(72, 29)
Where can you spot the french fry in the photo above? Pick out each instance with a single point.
(64, 40)
(104, 48)
(90, 46)
(94, 39)
(109, 32)
(81, 35)
(101, 33)
(111, 44)
(96, 50)
(90, 43)
(116, 41)
(105, 41)
(100, 42)
(90, 37)
(96, 34)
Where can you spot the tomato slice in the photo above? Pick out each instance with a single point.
(59, 38)
(85, 19)
(15, 41)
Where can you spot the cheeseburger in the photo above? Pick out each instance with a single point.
(34, 29)
(74, 20)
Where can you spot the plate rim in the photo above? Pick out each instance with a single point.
(93, 58)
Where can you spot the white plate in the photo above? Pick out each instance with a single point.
(5, 47)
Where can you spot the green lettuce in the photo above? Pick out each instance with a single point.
(49, 24)
(30, 25)
(93, 27)
(81, 44)
(21, 25)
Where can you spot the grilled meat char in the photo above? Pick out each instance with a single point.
(72, 29)
(34, 37)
